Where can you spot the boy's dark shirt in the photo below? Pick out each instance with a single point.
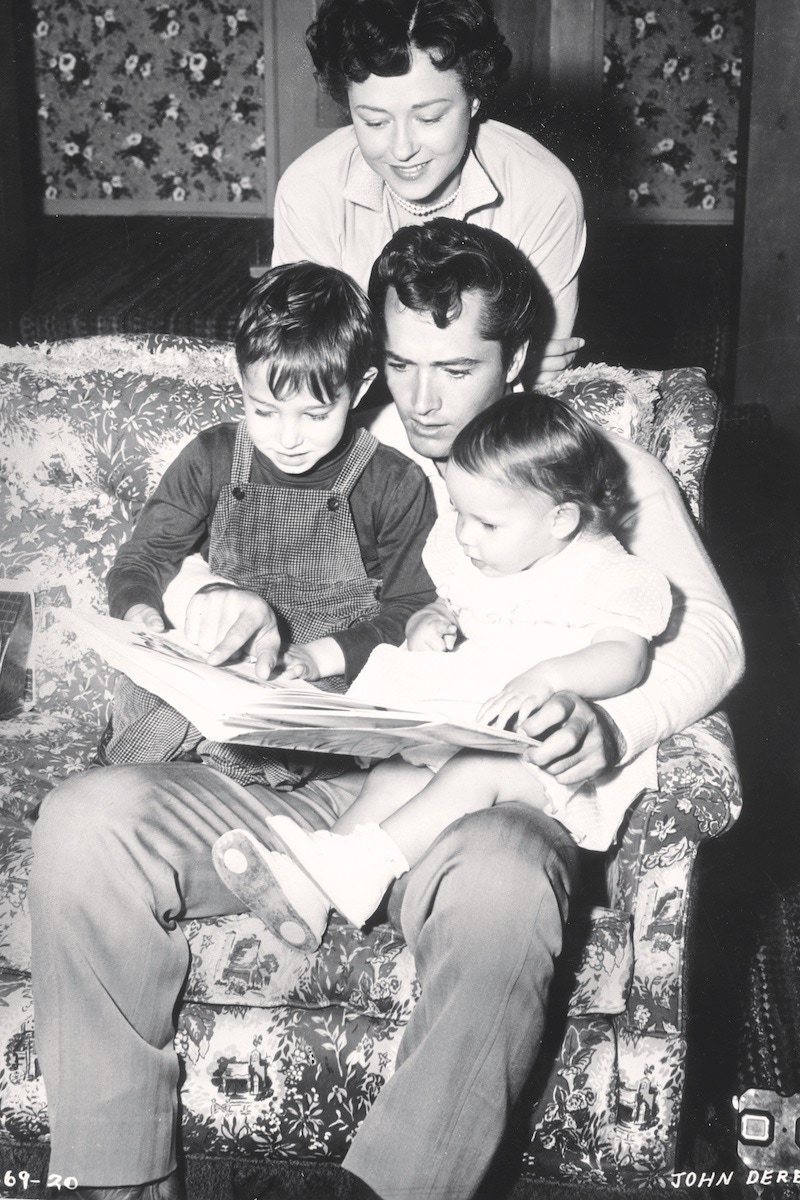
(391, 504)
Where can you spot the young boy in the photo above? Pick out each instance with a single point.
(293, 504)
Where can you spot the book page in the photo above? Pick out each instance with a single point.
(452, 685)
(228, 704)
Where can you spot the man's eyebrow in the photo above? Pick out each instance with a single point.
(441, 362)
(421, 104)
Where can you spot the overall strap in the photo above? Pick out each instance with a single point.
(242, 457)
(364, 447)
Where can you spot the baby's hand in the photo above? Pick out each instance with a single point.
(519, 698)
(431, 629)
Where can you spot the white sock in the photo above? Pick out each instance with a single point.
(354, 870)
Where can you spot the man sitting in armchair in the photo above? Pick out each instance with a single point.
(483, 913)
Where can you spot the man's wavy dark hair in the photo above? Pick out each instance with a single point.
(431, 266)
(352, 39)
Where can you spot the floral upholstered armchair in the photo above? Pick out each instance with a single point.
(284, 1052)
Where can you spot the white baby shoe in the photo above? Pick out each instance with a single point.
(273, 887)
(354, 869)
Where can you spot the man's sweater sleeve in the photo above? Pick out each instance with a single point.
(403, 514)
(699, 657)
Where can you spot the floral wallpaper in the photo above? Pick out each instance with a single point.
(162, 104)
(672, 80)
(151, 102)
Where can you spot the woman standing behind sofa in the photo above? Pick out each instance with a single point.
(417, 77)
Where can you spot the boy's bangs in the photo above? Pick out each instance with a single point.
(288, 375)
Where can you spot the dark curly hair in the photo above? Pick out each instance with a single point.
(530, 440)
(352, 39)
(431, 266)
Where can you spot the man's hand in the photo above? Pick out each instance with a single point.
(578, 739)
(221, 621)
(145, 614)
(519, 698)
(558, 354)
(432, 628)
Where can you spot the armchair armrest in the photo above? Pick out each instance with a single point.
(650, 874)
(699, 797)
(685, 425)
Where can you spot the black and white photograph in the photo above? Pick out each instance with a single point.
(355, 844)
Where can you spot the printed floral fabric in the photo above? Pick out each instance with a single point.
(284, 1052)
(152, 102)
(698, 798)
(616, 398)
(685, 430)
(672, 83)
(610, 1107)
(675, 415)
(601, 942)
(86, 430)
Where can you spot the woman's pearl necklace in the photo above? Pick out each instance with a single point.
(423, 210)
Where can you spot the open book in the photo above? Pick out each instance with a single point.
(416, 704)
(390, 707)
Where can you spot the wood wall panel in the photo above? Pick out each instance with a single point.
(305, 114)
(768, 354)
(576, 47)
(19, 182)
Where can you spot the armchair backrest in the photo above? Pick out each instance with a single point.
(675, 415)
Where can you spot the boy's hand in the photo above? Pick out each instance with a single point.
(431, 629)
(519, 698)
(221, 621)
(145, 614)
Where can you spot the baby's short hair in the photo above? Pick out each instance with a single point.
(529, 440)
(311, 325)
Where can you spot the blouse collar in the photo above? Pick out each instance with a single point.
(365, 187)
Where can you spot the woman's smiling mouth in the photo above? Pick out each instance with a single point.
(412, 172)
